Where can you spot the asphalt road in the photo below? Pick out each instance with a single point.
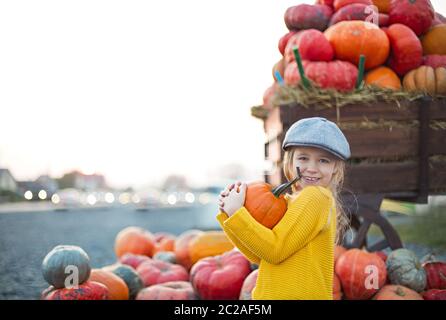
(26, 237)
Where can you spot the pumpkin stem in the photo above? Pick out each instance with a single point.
(361, 71)
(281, 188)
(305, 80)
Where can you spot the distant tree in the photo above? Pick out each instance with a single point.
(68, 180)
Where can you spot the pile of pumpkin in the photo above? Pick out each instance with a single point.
(194, 265)
(205, 265)
(403, 42)
(362, 275)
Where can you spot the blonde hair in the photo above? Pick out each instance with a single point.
(335, 186)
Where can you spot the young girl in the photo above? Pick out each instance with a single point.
(296, 257)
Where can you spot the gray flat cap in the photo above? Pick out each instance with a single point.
(317, 132)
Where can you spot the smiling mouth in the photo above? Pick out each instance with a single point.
(311, 179)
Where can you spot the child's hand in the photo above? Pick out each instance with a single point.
(232, 198)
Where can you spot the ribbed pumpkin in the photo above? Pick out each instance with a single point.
(166, 256)
(355, 11)
(339, 75)
(58, 266)
(133, 260)
(89, 290)
(396, 292)
(405, 269)
(416, 14)
(130, 277)
(306, 16)
(173, 290)
(283, 41)
(182, 247)
(434, 294)
(117, 288)
(338, 4)
(436, 274)
(426, 79)
(350, 39)
(354, 269)
(163, 242)
(134, 240)
(263, 205)
(207, 244)
(406, 51)
(434, 41)
(383, 5)
(383, 77)
(312, 44)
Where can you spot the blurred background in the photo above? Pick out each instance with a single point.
(121, 113)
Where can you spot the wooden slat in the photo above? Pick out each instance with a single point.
(373, 112)
(386, 143)
(392, 177)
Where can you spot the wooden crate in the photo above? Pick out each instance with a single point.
(403, 161)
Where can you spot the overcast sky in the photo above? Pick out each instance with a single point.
(136, 89)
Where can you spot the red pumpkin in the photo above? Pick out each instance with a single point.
(134, 240)
(416, 14)
(174, 290)
(220, 277)
(435, 61)
(338, 4)
(284, 41)
(355, 11)
(339, 75)
(249, 285)
(406, 50)
(397, 292)
(434, 294)
(351, 39)
(133, 260)
(337, 290)
(156, 271)
(361, 274)
(306, 16)
(182, 247)
(89, 290)
(312, 44)
(436, 275)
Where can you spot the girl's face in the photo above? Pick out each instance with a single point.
(317, 166)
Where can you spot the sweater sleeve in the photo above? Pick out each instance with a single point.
(304, 219)
(221, 217)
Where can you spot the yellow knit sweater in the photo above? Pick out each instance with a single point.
(296, 257)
